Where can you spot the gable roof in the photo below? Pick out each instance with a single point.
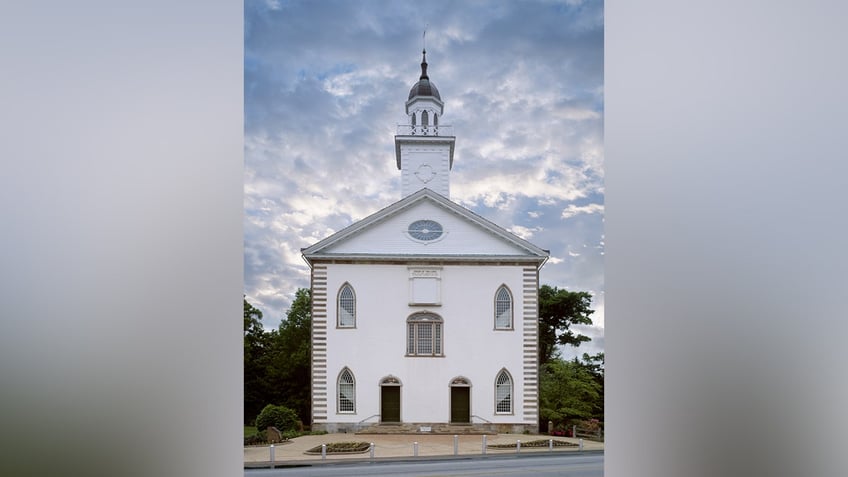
(521, 250)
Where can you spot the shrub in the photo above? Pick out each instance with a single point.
(256, 439)
(280, 417)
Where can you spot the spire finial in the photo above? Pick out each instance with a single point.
(424, 56)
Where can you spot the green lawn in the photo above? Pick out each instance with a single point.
(249, 431)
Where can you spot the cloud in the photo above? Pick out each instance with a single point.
(573, 210)
(325, 85)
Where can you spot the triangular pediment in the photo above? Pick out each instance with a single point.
(426, 225)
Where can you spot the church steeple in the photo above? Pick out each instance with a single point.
(424, 147)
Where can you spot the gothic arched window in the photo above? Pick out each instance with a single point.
(346, 392)
(424, 118)
(503, 393)
(503, 309)
(347, 307)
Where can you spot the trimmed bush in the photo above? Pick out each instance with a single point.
(280, 417)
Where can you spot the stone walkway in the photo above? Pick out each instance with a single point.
(399, 446)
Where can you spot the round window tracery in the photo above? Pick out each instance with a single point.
(425, 230)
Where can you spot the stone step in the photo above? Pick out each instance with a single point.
(434, 428)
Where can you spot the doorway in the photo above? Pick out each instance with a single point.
(460, 401)
(390, 400)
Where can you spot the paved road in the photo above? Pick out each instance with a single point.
(535, 465)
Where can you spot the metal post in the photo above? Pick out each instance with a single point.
(415, 449)
(323, 451)
(371, 450)
(271, 449)
(484, 444)
(455, 444)
(581, 445)
(550, 444)
(518, 446)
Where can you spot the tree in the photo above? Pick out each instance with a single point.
(568, 390)
(256, 357)
(595, 365)
(558, 310)
(290, 366)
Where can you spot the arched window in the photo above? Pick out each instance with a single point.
(413, 119)
(424, 335)
(346, 392)
(347, 307)
(424, 119)
(435, 119)
(503, 309)
(503, 393)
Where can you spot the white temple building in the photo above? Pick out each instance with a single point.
(424, 314)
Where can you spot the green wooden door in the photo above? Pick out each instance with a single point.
(390, 404)
(460, 404)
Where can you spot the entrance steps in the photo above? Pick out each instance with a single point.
(428, 428)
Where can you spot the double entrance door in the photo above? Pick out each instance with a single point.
(460, 404)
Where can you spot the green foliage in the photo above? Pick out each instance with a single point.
(257, 349)
(258, 438)
(289, 367)
(281, 417)
(568, 390)
(558, 310)
(276, 363)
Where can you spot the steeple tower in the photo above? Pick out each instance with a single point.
(423, 146)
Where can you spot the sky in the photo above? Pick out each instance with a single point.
(325, 86)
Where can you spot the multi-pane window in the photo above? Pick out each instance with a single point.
(424, 335)
(503, 309)
(347, 307)
(347, 392)
(503, 393)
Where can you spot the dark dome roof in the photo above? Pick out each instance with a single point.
(424, 87)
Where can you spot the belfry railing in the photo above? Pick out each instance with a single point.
(418, 130)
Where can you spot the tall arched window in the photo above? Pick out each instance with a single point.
(503, 393)
(424, 335)
(347, 307)
(346, 392)
(424, 119)
(503, 309)
(435, 119)
(413, 119)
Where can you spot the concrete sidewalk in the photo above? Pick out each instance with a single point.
(399, 446)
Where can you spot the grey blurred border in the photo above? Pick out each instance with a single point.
(121, 252)
(725, 238)
(121, 247)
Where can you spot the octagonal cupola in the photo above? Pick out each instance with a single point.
(424, 105)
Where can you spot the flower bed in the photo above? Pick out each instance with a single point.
(531, 444)
(342, 448)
